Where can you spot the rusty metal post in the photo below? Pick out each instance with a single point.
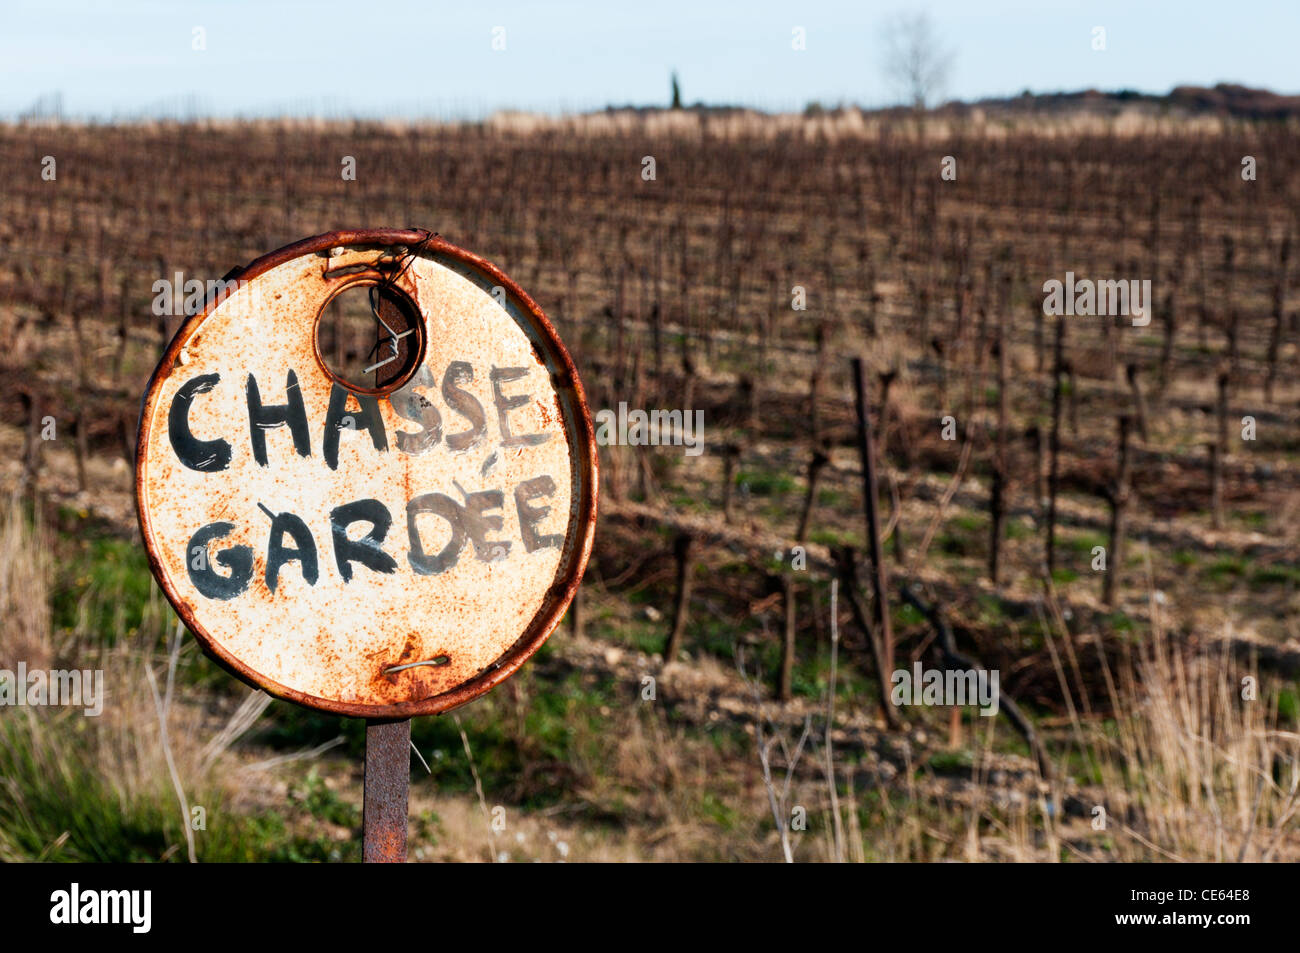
(383, 806)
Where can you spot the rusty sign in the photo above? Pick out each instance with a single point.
(381, 545)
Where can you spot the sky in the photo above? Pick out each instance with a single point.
(409, 59)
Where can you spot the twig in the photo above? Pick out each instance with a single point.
(163, 706)
(303, 755)
(830, 723)
(478, 787)
(957, 477)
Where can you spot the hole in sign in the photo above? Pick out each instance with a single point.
(369, 338)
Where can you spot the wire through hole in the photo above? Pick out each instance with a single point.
(438, 660)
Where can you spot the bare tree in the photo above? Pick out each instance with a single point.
(915, 61)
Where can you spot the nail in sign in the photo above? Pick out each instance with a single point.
(377, 531)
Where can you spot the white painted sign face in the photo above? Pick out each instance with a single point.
(381, 548)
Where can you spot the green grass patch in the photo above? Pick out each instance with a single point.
(991, 609)
(830, 497)
(718, 812)
(1226, 570)
(1119, 622)
(833, 537)
(905, 614)
(1253, 519)
(764, 482)
(59, 806)
(1019, 529)
(951, 762)
(1288, 706)
(1268, 576)
(1082, 544)
(106, 580)
(964, 535)
(317, 799)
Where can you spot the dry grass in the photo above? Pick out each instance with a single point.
(112, 786)
(24, 591)
(1198, 772)
(1187, 770)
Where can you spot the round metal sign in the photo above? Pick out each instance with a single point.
(379, 532)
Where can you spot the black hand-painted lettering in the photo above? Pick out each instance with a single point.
(262, 418)
(206, 456)
(238, 559)
(415, 407)
(277, 553)
(499, 375)
(465, 404)
(365, 550)
(477, 524)
(367, 416)
(469, 523)
(530, 516)
(444, 506)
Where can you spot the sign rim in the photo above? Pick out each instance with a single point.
(564, 380)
